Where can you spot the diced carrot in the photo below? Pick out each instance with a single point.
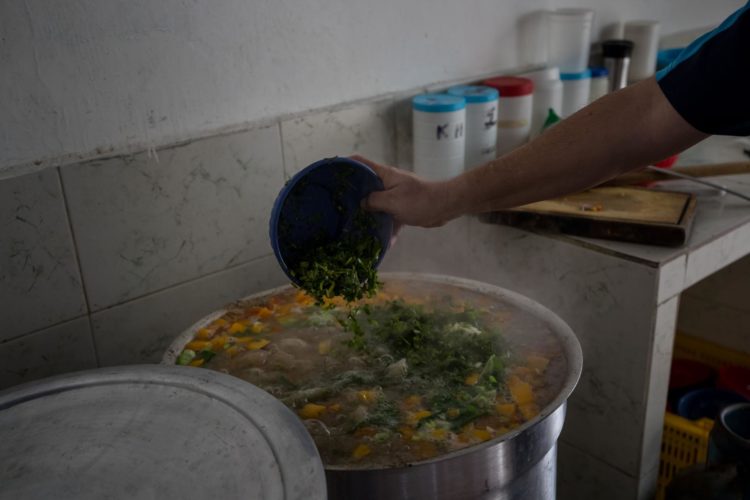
(472, 379)
(218, 342)
(198, 345)
(303, 299)
(505, 409)
(324, 347)
(197, 362)
(537, 363)
(204, 334)
(265, 313)
(361, 451)
(413, 418)
(256, 327)
(453, 412)
(237, 327)
(439, 433)
(219, 322)
(254, 345)
(334, 408)
(520, 390)
(482, 434)
(311, 410)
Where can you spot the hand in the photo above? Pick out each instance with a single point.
(410, 199)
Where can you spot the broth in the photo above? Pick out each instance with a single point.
(420, 370)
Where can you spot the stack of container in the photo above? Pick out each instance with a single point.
(481, 122)
(439, 127)
(514, 111)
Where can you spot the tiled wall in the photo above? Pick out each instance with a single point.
(104, 262)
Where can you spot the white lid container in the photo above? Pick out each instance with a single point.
(439, 122)
(481, 122)
(599, 83)
(513, 111)
(576, 91)
(645, 37)
(569, 39)
(547, 96)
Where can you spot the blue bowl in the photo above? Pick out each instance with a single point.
(318, 206)
(706, 403)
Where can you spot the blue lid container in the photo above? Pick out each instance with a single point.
(438, 103)
(475, 93)
(598, 72)
(706, 403)
(318, 206)
(576, 76)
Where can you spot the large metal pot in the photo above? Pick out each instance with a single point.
(518, 465)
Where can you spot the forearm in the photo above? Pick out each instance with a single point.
(623, 131)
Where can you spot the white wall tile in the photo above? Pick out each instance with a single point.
(144, 224)
(62, 348)
(139, 331)
(39, 279)
(364, 128)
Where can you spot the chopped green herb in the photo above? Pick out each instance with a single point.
(185, 357)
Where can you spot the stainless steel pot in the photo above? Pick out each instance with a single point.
(518, 465)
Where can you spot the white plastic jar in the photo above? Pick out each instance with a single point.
(547, 96)
(569, 39)
(514, 110)
(481, 122)
(599, 83)
(645, 37)
(439, 127)
(576, 91)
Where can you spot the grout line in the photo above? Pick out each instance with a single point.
(84, 291)
(40, 330)
(181, 283)
(284, 171)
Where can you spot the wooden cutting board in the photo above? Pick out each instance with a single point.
(630, 214)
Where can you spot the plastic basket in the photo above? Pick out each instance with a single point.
(685, 442)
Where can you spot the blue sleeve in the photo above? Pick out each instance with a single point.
(709, 82)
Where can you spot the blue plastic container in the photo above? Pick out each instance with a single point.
(318, 205)
(706, 403)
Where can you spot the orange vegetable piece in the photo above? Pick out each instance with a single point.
(406, 431)
(505, 409)
(413, 401)
(265, 313)
(520, 390)
(256, 327)
(233, 351)
(537, 363)
(204, 334)
(361, 451)
(439, 433)
(219, 322)
(311, 410)
(335, 408)
(365, 432)
(529, 410)
(482, 434)
(218, 342)
(413, 418)
(453, 412)
(324, 347)
(472, 379)
(367, 395)
(197, 362)
(254, 345)
(198, 345)
(237, 327)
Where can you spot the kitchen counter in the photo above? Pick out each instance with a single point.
(622, 301)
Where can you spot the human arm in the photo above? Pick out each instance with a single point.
(622, 131)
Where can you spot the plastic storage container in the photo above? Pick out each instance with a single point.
(576, 91)
(645, 37)
(514, 110)
(599, 83)
(481, 122)
(685, 442)
(439, 127)
(569, 39)
(548, 90)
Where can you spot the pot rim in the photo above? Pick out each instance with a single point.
(568, 341)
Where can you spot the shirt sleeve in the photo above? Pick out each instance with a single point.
(709, 82)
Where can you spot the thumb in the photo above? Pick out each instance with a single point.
(378, 201)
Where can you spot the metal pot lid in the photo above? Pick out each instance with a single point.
(153, 431)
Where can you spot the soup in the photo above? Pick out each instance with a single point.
(419, 370)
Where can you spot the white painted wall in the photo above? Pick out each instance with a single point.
(79, 78)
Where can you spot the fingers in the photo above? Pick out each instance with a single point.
(382, 171)
(377, 201)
